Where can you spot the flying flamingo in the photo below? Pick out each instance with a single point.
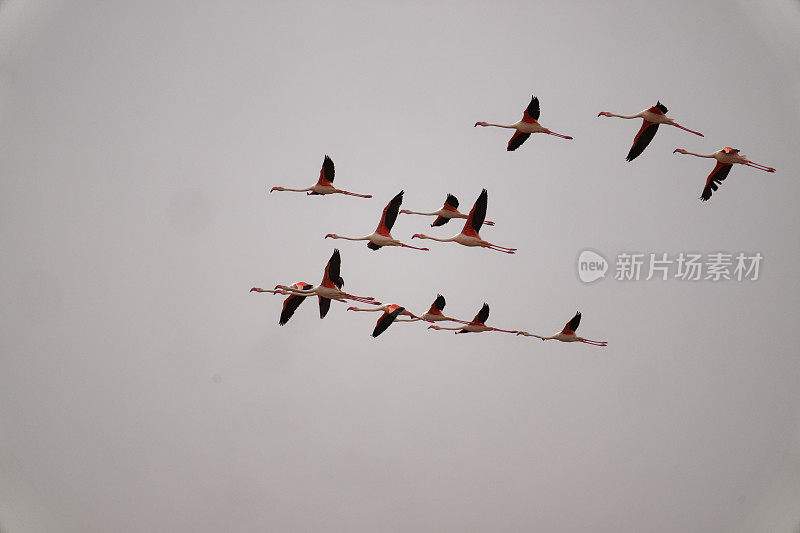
(469, 235)
(291, 303)
(726, 158)
(390, 314)
(529, 124)
(651, 119)
(325, 183)
(324, 303)
(382, 237)
(448, 211)
(434, 314)
(330, 288)
(567, 334)
(477, 325)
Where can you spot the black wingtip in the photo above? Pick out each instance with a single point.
(661, 107)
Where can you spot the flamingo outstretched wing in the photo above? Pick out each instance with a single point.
(389, 215)
(516, 140)
(642, 139)
(531, 113)
(482, 316)
(715, 179)
(476, 215)
(386, 320)
(291, 303)
(327, 172)
(572, 325)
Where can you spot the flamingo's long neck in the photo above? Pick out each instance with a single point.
(299, 292)
(293, 190)
(450, 239)
(501, 125)
(351, 238)
(445, 327)
(360, 309)
(540, 337)
(637, 115)
(699, 155)
(407, 212)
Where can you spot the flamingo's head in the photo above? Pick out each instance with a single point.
(679, 150)
(278, 287)
(433, 327)
(352, 308)
(404, 211)
(276, 189)
(255, 289)
(603, 114)
(418, 236)
(332, 235)
(480, 124)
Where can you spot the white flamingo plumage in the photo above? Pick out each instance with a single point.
(726, 158)
(448, 211)
(381, 236)
(390, 314)
(527, 125)
(434, 314)
(330, 288)
(469, 235)
(651, 118)
(291, 303)
(324, 184)
(567, 334)
(477, 325)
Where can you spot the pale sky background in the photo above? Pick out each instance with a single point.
(143, 388)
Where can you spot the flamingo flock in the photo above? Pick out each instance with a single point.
(330, 288)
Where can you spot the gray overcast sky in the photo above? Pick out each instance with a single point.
(142, 388)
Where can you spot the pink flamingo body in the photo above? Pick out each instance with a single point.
(477, 325)
(324, 184)
(381, 237)
(726, 158)
(567, 334)
(469, 235)
(330, 288)
(651, 118)
(434, 314)
(291, 303)
(525, 127)
(447, 212)
(390, 314)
